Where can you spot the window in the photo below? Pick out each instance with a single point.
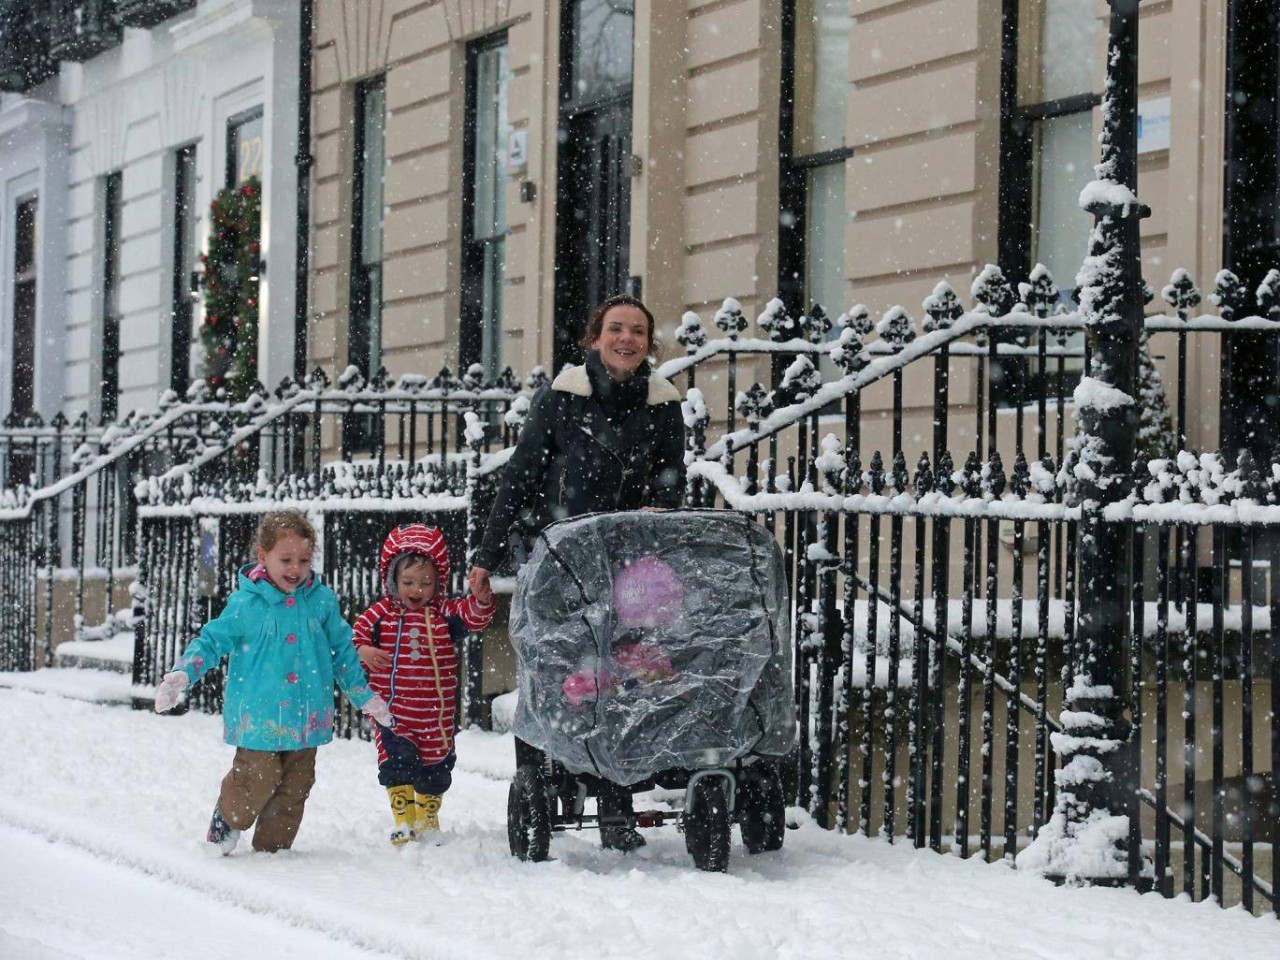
(184, 260)
(23, 348)
(815, 98)
(365, 344)
(112, 203)
(1046, 158)
(245, 147)
(602, 57)
(484, 204)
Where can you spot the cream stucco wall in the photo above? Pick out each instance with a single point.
(921, 188)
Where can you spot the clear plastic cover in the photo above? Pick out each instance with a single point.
(652, 641)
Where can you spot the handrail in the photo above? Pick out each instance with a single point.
(919, 348)
(121, 449)
(888, 360)
(391, 401)
(956, 648)
(1205, 842)
(926, 346)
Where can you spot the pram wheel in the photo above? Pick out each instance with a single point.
(761, 810)
(706, 825)
(529, 815)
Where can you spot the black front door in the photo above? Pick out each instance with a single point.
(593, 200)
(1251, 385)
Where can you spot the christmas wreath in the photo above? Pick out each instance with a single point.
(229, 334)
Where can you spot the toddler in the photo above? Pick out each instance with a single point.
(406, 641)
(285, 642)
(636, 662)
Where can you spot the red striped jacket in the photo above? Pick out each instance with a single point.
(421, 683)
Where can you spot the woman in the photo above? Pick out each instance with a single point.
(607, 435)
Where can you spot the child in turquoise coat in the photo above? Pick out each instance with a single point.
(286, 643)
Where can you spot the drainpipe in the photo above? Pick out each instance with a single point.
(303, 160)
(1092, 835)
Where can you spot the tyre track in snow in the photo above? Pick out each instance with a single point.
(130, 914)
(335, 920)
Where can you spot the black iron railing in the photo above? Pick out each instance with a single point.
(82, 29)
(935, 594)
(150, 13)
(425, 456)
(25, 57)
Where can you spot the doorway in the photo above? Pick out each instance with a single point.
(593, 200)
(1251, 221)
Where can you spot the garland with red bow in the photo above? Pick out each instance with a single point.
(231, 265)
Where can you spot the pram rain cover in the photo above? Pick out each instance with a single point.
(652, 641)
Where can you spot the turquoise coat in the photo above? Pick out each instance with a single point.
(284, 653)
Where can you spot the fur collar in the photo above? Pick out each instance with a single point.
(574, 380)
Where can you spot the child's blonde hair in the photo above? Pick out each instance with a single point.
(277, 523)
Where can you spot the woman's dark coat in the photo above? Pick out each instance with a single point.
(588, 444)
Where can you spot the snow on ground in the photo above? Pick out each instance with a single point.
(103, 811)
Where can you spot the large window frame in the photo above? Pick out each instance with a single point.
(484, 223)
(26, 248)
(1026, 120)
(813, 167)
(181, 282)
(364, 345)
(112, 221)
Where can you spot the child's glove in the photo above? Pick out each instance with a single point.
(170, 690)
(378, 711)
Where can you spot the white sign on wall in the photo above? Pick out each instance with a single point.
(518, 149)
(1153, 125)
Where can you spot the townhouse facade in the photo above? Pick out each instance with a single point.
(119, 125)
(540, 156)
(479, 173)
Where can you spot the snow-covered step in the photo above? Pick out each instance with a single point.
(96, 686)
(113, 655)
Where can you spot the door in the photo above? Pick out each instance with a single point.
(1251, 222)
(593, 202)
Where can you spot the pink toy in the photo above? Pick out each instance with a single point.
(581, 686)
(636, 663)
(643, 661)
(647, 593)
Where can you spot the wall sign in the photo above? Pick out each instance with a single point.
(1153, 125)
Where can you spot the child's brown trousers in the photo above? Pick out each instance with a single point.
(270, 788)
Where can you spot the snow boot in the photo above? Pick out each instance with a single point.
(405, 811)
(616, 802)
(221, 834)
(428, 813)
(625, 839)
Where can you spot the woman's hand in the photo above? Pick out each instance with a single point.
(478, 582)
(374, 658)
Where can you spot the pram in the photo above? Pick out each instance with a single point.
(653, 651)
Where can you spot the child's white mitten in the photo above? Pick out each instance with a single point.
(376, 709)
(170, 690)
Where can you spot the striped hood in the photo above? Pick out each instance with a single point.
(417, 539)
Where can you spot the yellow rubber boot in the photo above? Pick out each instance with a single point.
(428, 812)
(405, 810)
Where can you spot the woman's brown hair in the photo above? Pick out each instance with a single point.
(595, 321)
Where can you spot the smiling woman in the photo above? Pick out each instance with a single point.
(622, 339)
(607, 435)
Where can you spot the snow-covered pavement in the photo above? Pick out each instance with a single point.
(103, 810)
